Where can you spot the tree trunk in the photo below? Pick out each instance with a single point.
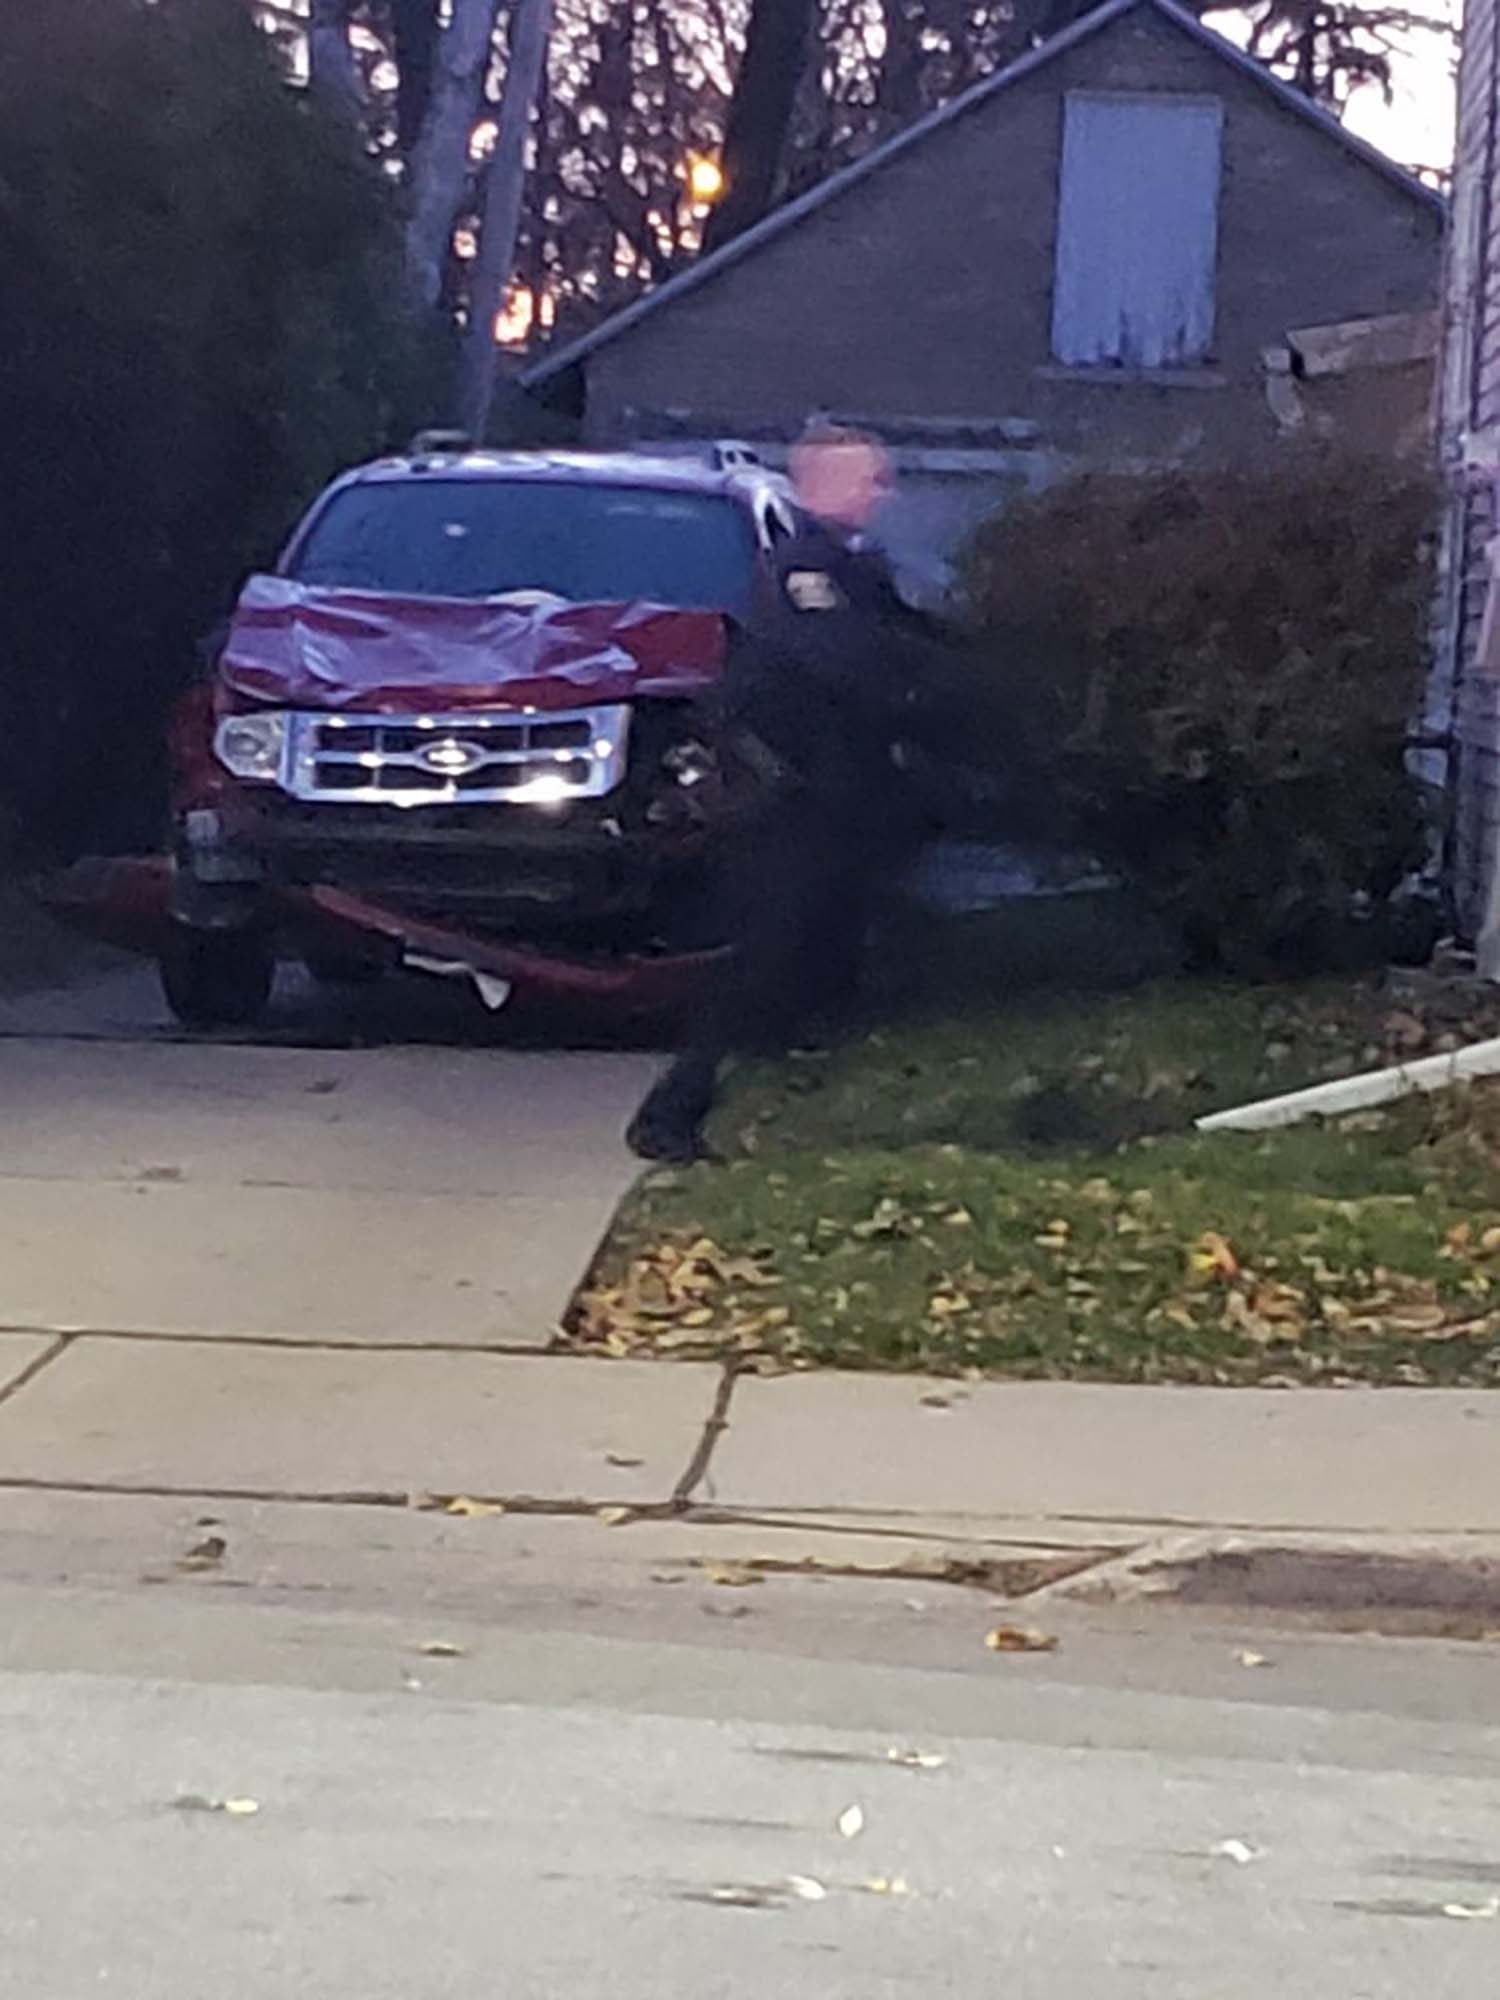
(414, 33)
(760, 115)
(440, 167)
(505, 184)
(331, 67)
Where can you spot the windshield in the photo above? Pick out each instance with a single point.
(482, 538)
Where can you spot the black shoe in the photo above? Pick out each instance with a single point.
(671, 1142)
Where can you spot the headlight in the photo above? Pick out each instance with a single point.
(251, 746)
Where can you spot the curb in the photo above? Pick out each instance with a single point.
(1444, 1586)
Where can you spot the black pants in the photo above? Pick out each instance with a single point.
(797, 893)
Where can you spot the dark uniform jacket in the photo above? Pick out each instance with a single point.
(826, 696)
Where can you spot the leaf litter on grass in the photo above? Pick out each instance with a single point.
(859, 1236)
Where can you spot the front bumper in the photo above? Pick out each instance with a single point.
(131, 902)
(627, 845)
(508, 870)
(473, 861)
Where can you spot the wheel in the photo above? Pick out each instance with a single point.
(217, 979)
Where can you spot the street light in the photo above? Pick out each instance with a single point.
(705, 179)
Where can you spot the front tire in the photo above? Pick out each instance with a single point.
(217, 979)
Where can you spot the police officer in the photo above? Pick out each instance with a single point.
(818, 713)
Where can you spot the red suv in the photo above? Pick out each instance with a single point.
(457, 728)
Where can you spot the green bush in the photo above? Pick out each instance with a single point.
(1211, 676)
(200, 320)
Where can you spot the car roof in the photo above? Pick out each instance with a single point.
(665, 473)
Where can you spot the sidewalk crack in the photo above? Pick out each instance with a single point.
(60, 1345)
(696, 1470)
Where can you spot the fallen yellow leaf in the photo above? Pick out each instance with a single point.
(807, 1887)
(1240, 1852)
(1212, 1257)
(198, 1802)
(1020, 1639)
(732, 1575)
(1241, 1318)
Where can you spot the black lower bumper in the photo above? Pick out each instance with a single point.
(502, 868)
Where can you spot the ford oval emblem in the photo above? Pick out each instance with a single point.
(450, 757)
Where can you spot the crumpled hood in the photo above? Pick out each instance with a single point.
(354, 649)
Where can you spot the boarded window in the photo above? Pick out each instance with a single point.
(1137, 231)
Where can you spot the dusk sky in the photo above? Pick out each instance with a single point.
(1417, 127)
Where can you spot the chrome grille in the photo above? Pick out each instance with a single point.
(501, 757)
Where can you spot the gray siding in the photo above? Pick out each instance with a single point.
(1471, 451)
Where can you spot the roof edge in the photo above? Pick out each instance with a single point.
(1303, 107)
(1088, 25)
(793, 212)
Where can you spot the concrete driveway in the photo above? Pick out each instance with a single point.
(297, 1185)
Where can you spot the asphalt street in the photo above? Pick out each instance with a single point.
(593, 1787)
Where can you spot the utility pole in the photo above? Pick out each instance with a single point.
(505, 184)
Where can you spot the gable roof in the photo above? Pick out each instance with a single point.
(791, 213)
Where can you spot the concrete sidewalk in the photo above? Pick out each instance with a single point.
(1362, 1460)
(1021, 1463)
(387, 1195)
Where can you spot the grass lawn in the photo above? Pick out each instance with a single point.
(1005, 1180)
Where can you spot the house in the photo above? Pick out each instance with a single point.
(1119, 251)
(1464, 706)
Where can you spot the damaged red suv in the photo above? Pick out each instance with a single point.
(456, 729)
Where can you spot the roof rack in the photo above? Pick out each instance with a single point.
(433, 444)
